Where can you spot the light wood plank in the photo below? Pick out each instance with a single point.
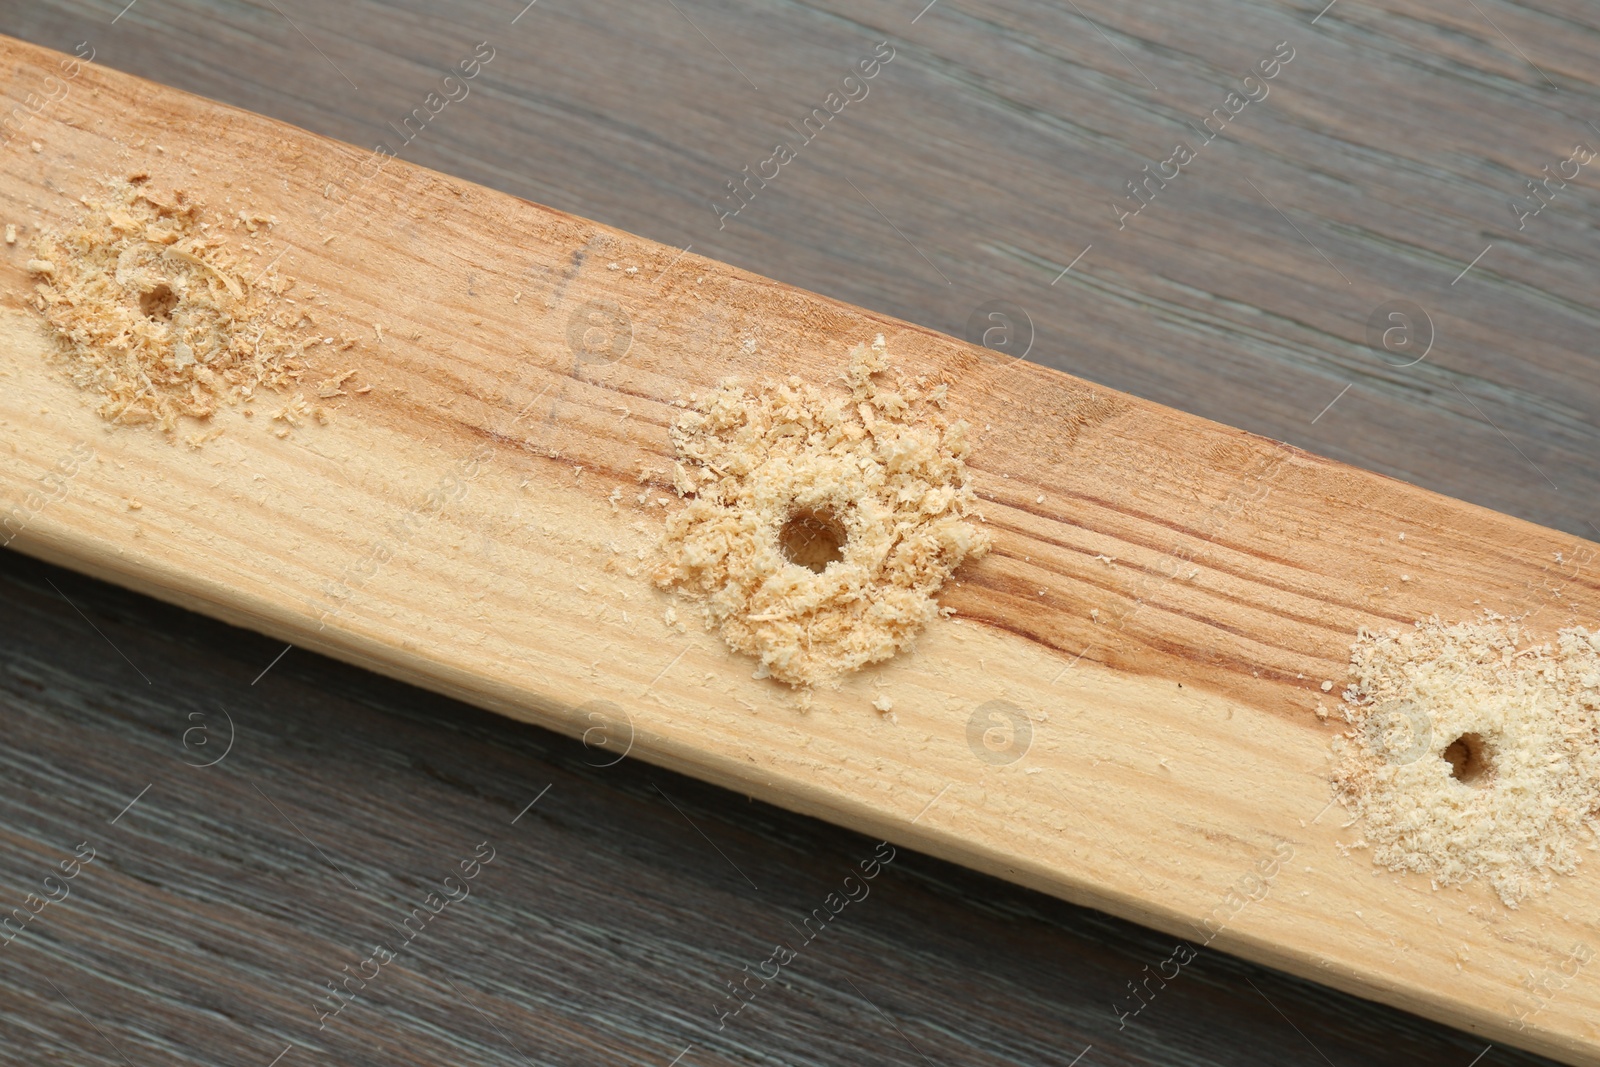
(1174, 742)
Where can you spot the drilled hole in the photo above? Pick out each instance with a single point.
(158, 303)
(1468, 759)
(812, 539)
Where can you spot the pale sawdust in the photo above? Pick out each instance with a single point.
(885, 465)
(155, 312)
(1536, 794)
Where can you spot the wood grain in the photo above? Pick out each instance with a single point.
(1289, 555)
(205, 927)
(540, 119)
(998, 140)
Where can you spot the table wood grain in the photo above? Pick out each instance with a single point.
(988, 158)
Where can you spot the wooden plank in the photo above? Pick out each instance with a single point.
(606, 928)
(816, 234)
(251, 525)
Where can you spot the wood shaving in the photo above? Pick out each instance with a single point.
(1473, 754)
(254, 220)
(294, 411)
(154, 312)
(331, 387)
(881, 465)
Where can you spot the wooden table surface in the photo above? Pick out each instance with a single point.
(990, 155)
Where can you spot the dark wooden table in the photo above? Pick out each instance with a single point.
(989, 155)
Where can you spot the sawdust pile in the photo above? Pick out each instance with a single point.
(1474, 753)
(820, 526)
(157, 315)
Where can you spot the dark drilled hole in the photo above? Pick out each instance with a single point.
(158, 303)
(812, 539)
(1468, 759)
